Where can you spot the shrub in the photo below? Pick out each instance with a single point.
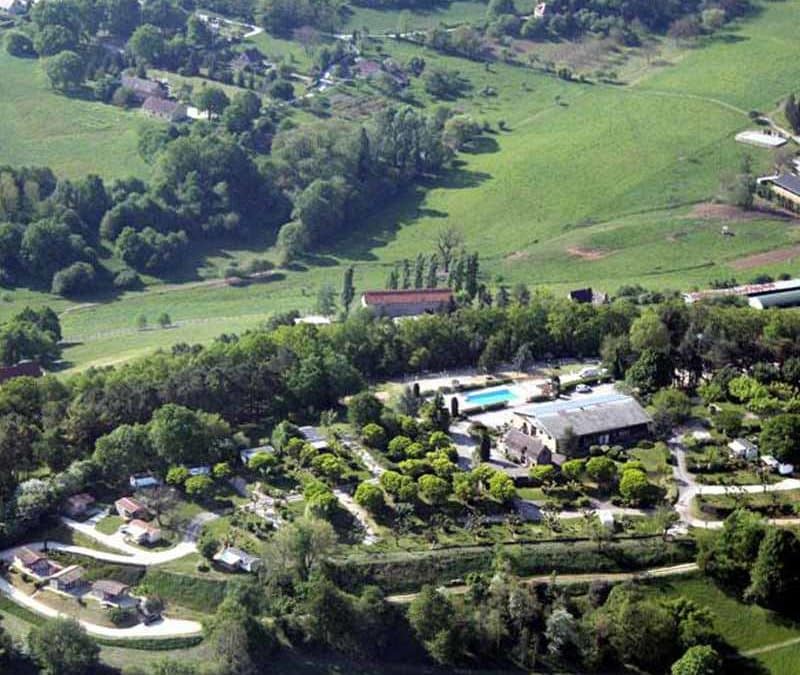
(369, 496)
(127, 279)
(76, 279)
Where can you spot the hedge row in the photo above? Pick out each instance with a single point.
(403, 572)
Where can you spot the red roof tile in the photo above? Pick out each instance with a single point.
(415, 295)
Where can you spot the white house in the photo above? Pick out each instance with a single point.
(741, 448)
(235, 559)
(141, 532)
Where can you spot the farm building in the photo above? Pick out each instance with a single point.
(528, 450)
(129, 508)
(759, 296)
(412, 302)
(68, 579)
(761, 139)
(235, 559)
(33, 561)
(109, 591)
(21, 369)
(164, 109)
(142, 88)
(78, 505)
(143, 533)
(574, 425)
(784, 189)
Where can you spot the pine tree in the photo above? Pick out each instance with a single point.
(792, 111)
(433, 270)
(348, 290)
(471, 281)
(391, 281)
(406, 274)
(419, 271)
(501, 298)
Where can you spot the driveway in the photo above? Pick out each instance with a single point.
(164, 628)
(133, 555)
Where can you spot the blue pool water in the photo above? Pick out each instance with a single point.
(491, 397)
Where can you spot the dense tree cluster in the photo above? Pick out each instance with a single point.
(758, 562)
(684, 18)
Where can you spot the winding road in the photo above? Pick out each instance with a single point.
(128, 555)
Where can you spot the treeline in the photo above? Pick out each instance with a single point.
(684, 18)
(282, 17)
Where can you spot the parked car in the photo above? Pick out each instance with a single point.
(583, 389)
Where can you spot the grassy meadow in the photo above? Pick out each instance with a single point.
(72, 136)
(757, 634)
(588, 184)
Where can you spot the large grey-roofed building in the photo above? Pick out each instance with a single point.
(784, 293)
(599, 419)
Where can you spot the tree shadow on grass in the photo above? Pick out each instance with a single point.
(405, 208)
(482, 145)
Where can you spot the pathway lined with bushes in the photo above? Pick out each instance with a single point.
(567, 579)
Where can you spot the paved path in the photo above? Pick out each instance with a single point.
(163, 628)
(370, 537)
(566, 579)
(689, 488)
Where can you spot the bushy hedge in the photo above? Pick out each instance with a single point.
(408, 571)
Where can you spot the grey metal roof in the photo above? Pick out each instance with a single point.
(587, 415)
(789, 182)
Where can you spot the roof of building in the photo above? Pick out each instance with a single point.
(409, 296)
(81, 499)
(161, 106)
(144, 526)
(248, 453)
(788, 182)
(144, 479)
(587, 415)
(311, 434)
(129, 504)
(249, 56)
(142, 85)
(110, 587)
(748, 290)
(742, 444)
(28, 556)
(69, 574)
(235, 556)
(202, 470)
(581, 295)
(21, 369)
(518, 441)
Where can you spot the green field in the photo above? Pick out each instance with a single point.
(590, 184)
(387, 21)
(755, 632)
(72, 136)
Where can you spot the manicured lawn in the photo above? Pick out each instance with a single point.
(72, 136)
(109, 524)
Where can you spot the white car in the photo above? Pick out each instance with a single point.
(583, 389)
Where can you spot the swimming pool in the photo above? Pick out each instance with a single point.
(491, 397)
